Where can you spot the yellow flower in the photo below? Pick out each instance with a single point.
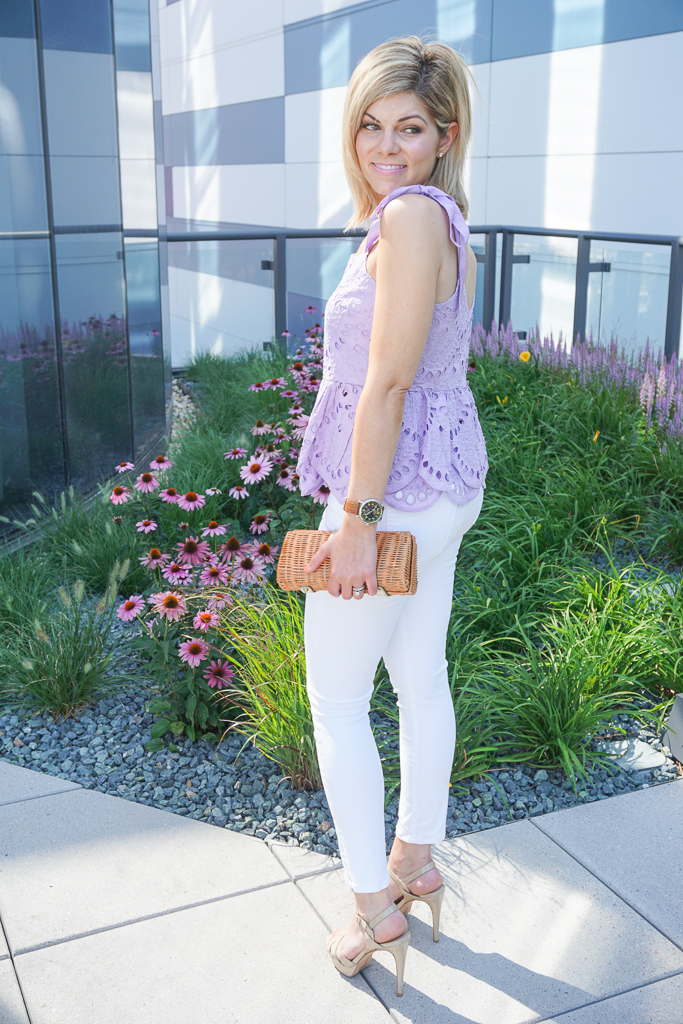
(504, 400)
(596, 435)
(525, 356)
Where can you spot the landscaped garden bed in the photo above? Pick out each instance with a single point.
(147, 653)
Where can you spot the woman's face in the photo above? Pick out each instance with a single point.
(398, 142)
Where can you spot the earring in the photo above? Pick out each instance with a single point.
(439, 155)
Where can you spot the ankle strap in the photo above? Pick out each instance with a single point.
(413, 875)
(369, 926)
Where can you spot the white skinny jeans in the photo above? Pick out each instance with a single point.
(344, 643)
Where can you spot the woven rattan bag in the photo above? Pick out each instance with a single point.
(396, 562)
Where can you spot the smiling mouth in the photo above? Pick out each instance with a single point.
(390, 167)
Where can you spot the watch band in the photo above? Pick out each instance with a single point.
(352, 506)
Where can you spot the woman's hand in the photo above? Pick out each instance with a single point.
(352, 552)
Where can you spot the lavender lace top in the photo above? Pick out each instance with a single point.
(441, 446)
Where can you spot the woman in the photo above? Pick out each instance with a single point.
(394, 433)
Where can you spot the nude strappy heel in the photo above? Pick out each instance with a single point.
(432, 899)
(397, 947)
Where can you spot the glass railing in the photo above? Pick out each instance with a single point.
(237, 289)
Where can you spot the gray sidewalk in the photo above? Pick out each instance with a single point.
(117, 913)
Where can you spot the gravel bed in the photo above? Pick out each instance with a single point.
(233, 786)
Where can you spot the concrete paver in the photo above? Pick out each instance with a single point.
(526, 932)
(654, 1004)
(22, 784)
(298, 863)
(255, 958)
(12, 1009)
(634, 844)
(81, 861)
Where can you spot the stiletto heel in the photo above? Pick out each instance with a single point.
(397, 947)
(434, 899)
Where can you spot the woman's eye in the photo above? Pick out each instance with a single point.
(370, 124)
(413, 129)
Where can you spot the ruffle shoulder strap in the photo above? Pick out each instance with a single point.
(459, 230)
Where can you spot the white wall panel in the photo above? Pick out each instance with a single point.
(317, 196)
(136, 115)
(242, 194)
(138, 193)
(299, 10)
(249, 70)
(480, 98)
(639, 193)
(197, 27)
(620, 97)
(216, 314)
(313, 125)
(476, 174)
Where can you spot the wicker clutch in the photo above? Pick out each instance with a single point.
(396, 562)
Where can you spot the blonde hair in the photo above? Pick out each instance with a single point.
(440, 78)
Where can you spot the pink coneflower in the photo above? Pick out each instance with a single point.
(161, 463)
(300, 424)
(297, 368)
(193, 652)
(266, 552)
(191, 500)
(236, 453)
(321, 495)
(295, 410)
(212, 491)
(286, 334)
(176, 573)
(213, 530)
(260, 523)
(214, 574)
(205, 620)
(170, 496)
(249, 569)
(219, 600)
(154, 559)
(192, 551)
(130, 609)
(233, 547)
(256, 470)
(258, 387)
(119, 495)
(238, 491)
(123, 467)
(117, 519)
(169, 604)
(289, 394)
(276, 382)
(219, 674)
(260, 428)
(146, 482)
(183, 526)
(311, 309)
(284, 479)
(146, 526)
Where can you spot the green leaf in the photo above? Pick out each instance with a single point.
(154, 745)
(211, 737)
(177, 728)
(189, 729)
(190, 704)
(160, 707)
(174, 750)
(202, 715)
(160, 727)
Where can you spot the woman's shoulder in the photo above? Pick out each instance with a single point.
(422, 208)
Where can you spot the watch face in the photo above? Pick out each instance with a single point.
(371, 511)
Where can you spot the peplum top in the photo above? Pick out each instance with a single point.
(441, 447)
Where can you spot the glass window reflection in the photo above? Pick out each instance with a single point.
(146, 351)
(76, 25)
(94, 352)
(30, 432)
(22, 172)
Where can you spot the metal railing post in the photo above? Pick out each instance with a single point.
(672, 334)
(583, 254)
(506, 277)
(280, 285)
(489, 302)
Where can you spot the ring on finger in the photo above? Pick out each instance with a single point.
(358, 590)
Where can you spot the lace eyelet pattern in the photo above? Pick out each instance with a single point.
(441, 446)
